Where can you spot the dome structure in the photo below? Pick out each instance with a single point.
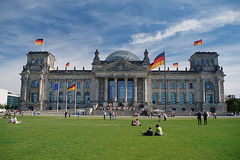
(122, 55)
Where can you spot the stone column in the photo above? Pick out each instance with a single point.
(168, 100)
(178, 94)
(203, 92)
(135, 92)
(115, 103)
(145, 90)
(40, 93)
(125, 91)
(97, 91)
(106, 92)
(66, 94)
(222, 91)
(186, 91)
(159, 92)
(24, 89)
(82, 90)
(219, 90)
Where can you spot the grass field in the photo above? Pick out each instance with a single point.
(94, 138)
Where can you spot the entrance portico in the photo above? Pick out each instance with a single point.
(121, 91)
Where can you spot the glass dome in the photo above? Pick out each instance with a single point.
(122, 55)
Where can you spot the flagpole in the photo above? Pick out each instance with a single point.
(75, 104)
(165, 79)
(57, 98)
(43, 45)
(66, 99)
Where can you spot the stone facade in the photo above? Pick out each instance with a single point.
(124, 80)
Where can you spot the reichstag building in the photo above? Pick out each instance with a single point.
(122, 79)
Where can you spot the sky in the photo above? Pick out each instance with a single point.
(74, 29)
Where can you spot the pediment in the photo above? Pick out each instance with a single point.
(121, 65)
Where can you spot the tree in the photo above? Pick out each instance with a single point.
(233, 105)
(3, 106)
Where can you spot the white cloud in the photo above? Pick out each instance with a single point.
(197, 25)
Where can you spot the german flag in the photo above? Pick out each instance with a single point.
(39, 41)
(72, 87)
(159, 60)
(175, 64)
(67, 64)
(199, 42)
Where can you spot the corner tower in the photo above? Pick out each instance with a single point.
(33, 77)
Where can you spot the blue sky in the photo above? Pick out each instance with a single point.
(73, 29)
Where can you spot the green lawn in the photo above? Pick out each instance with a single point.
(94, 138)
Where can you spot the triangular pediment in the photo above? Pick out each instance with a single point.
(121, 66)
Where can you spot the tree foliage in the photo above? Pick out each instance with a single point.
(233, 105)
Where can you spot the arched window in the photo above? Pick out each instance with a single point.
(154, 98)
(70, 97)
(52, 96)
(60, 97)
(173, 98)
(78, 98)
(163, 98)
(182, 98)
(87, 97)
(190, 98)
(208, 85)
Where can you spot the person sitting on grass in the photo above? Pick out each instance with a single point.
(158, 131)
(10, 120)
(133, 123)
(149, 132)
(15, 121)
(136, 123)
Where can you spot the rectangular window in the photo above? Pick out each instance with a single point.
(190, 98)
(173, 98)
(209, 98)
(34, 97)
(182, 98)
(87, 85)
(163, 85)
(111, 90)
(154, 85)
(181, 85)
(207, 63)
(212, 62)
(78, 84)
(61, 85)
(192, 109)
(202, 62)
(183, 109)
(155, 98)
(69, 84)
(173, 109)
(163, 98)
(172, 85)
